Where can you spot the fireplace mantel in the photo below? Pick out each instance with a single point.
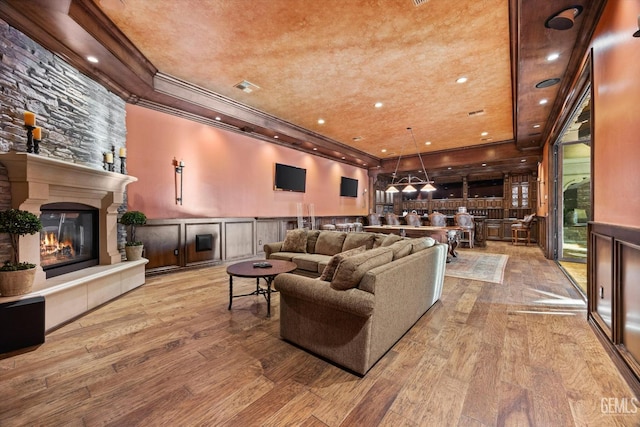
(37, 180)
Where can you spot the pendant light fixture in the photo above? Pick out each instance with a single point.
(409, 182)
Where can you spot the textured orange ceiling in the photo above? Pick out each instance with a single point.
(334, 59)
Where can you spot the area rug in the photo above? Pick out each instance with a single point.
(478, 266)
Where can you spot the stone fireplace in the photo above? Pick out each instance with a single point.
(39, 183)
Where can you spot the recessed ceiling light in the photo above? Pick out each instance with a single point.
(523, 161)
(449, 168)
(553, 56)
(543, 101)
(218, 118)
(384, 150)
(378, 104)
(536, 126)
(484, 164)
(343, 157)
(315, 148)
(427, 143)
(276, 136)
(320, 121)
(92, 59)
(357, 138)
(484, 134)
(461, 80)
(547, 83)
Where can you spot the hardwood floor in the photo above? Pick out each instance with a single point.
(170, 353)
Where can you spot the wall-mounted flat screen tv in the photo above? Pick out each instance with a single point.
(290, 178)
(348, 187)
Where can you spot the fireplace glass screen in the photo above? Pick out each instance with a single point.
(68, 240)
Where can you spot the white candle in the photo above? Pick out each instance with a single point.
(108, 157)
(123, 152)
(181, 163)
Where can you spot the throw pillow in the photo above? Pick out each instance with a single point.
(401, 248)
(330, 242)
(356, 239)
(351, 270)
(312, 238)
(295, 241)
(330, 269)
(390, 239)
(422, 243)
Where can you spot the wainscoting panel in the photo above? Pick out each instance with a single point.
(267, 231)
(239, 239)
(629, 256)
(160, 243)
(613, 294)
(199, 238)
(603, 277)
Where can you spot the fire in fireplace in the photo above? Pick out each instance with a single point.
(69, 238)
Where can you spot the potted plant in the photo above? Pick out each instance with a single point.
(16, 278)
(133, 247)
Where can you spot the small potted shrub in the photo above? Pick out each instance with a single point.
(133, 247)
(16, 278)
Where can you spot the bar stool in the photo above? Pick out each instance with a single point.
(521, 230)
(343, 227)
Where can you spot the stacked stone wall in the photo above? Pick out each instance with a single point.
(80, 119)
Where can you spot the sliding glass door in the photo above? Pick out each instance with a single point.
(573, 192)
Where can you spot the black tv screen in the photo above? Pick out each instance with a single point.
(290, 178)
(348, 187)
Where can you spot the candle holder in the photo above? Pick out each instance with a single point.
(36, 146)
(30, 138)
(123, 165)
(108, 165)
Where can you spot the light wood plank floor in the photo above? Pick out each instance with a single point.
(169, 353)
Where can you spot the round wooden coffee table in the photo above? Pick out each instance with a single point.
(251, 269)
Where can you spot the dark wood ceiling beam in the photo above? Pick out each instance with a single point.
(500, 155)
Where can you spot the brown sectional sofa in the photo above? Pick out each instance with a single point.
(379, 289)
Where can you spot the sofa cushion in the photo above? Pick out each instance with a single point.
(309, 262)
(421, 243)
(295, 241)
(357, 239)
(401, 248)
(330, 269)
(330, 242)
(390, 239)
(285, 256)
(378, 239)
(351, 270)
(312, 238)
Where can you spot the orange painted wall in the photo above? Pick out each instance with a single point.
(226, 174)
(616, 107)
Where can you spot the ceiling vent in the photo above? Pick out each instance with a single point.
(247, 87)
(419, 2)
(476, 113)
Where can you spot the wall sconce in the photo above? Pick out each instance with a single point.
(179, 169)
(637, 33)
